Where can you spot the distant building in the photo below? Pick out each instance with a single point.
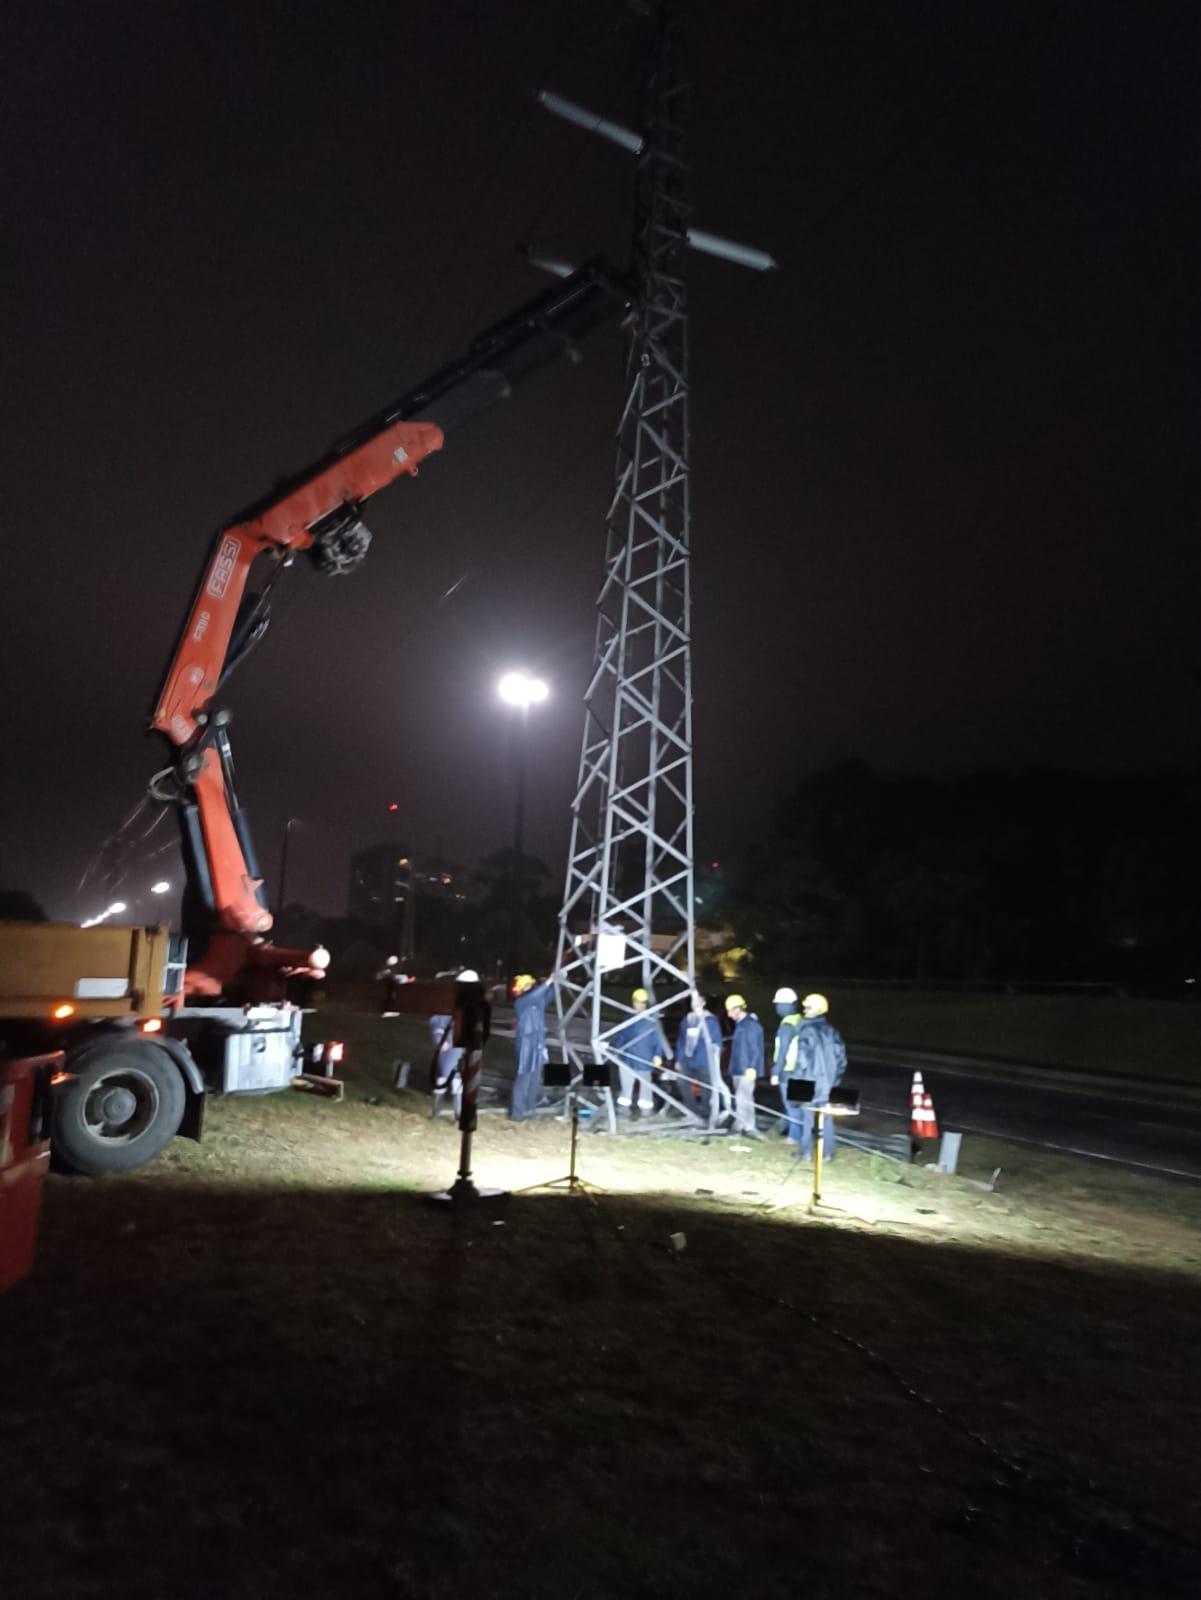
(386, 885)
(380, 883)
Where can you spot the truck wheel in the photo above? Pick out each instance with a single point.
(124, 1104)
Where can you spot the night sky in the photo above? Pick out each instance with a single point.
(945, 460)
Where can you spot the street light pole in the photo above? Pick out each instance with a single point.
(280, 902)
(518, 842)
(520, 690)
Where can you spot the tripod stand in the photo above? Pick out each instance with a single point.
(571, 1180)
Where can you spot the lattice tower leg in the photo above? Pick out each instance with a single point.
(630, 866)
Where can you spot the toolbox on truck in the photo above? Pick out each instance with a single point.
(24, 1157)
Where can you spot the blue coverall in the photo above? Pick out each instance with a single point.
(638, 1044)
(783, 1065)
(746, 1055)
(449, 1053)
(698, 1056)
(821, 1057)
(529, 1013)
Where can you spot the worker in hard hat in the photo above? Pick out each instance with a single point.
(640, 1049)
(698, 1061)
(746, 1061)
(784, 1056)
(821, 1057)
(387, 977)
(530, 1000)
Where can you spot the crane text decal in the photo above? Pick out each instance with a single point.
(224, 563)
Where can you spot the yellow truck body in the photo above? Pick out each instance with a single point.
(98, 972)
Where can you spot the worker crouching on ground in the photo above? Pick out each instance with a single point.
(746, 1061)
(640, 1048)
(530, 1000)
(447, 1056)
(821, 1056)
(698, 1060)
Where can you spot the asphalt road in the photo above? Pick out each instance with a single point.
(1148, 1135)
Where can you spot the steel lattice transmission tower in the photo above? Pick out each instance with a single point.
(630, 862)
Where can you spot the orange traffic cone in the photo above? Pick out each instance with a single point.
(916, 1092)
(922, 1122)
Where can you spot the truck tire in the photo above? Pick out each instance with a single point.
(124, 1104)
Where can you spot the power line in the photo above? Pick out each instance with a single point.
(566, 172)
(470, 216)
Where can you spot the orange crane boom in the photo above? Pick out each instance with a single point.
(318, 512)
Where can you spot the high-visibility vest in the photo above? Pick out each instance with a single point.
(790, 1053)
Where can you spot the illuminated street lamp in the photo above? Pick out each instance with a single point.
(115, 910)
(161, 887)
(521, 690)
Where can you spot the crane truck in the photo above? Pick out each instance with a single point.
(140, 1024)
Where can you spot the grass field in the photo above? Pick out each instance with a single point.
(1114, 1034)
(266, 1367)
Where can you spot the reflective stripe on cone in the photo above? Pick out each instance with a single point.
(922, 1122)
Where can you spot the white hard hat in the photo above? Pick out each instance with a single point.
(468, 975)
(784, 997)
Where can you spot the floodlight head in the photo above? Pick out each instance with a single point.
(161, 887)
(117, 907)
(799, 1091)
(521, 689)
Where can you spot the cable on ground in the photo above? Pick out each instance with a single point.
(1083, 1502)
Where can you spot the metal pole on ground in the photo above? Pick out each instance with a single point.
(559, 1074)
(472, 1017)
(843, 1102)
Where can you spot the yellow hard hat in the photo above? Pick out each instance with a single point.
(522, 982)
(815, 1005)
(640, 994)
(735, 1002)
